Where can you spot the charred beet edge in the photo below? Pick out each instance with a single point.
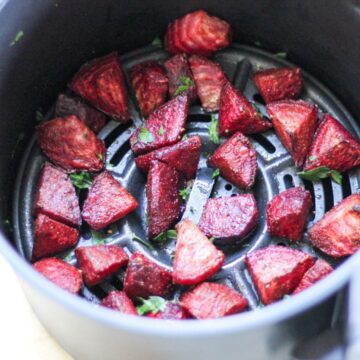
(119, 301)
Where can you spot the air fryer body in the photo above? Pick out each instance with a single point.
(59, 36)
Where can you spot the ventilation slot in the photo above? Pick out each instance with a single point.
(120, 153)
(288, 181)
(346, 188)
(328, 191)
(199, 117)
(265, 143)
(116, 132)
(258, 98)
(309, 186)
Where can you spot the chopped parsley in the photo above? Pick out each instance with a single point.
(81, 180)
(213, 129)
(99, 238)
(100, 156)
(161, 130)
(142, 241)
(281, 54)
(256, 108)
(145, 136)
(185, 193)
(153, 304)
(212, 239)
(17, 37)
(169, 234)
(185, 84)
(321, 172)
(184, 137)
(39, 115)
(157, 42)
(215, 173)
(312, 158)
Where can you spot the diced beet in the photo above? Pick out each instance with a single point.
(229, 218)
(107, 202)
(60, 273)
(67, 105)
(178, 69)
(237, 114)
(295, 124)
(150, 85)
(97, 262)
(196, 257)
(211, 300)
(318, 271)
(209, 79)
(287, 213)
(163, 200)
(279, 84)
(333, 147)
(338, 232)
(56, 197)
(145, 278)
(52, 237)
(277, 271)
(163, 127)
(119, 301)
(183, 156)
(172, 312)
(102, 83)
(236, 160)
(69, 143)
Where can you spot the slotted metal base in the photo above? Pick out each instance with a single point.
(276, 173)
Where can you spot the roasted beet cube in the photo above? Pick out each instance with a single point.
(197, 33)
(119, 301)
(97, 262)
(67, 105)
(183, 156)
(163, 127)
(287, 213)
(338, 232)
(236, 160)
(107, 202)
(150, 85)
(211, 300)
(196, 257)
(237, 114)
(295, 124)
(180, 77)
(172, 311)
(209, 79)
(145, 278)
(56, 197)
(163, 200)
(277, 271)
(69, 143)
(333, 147)
(318, 271)
(279, 84)
(229, 218)
(60, 273)
(52, 237)
(102, 83)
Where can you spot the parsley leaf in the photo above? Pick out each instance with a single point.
(256, 108)
(215, 174)
(169, 234)
(184, 137)
(321, 172)
(213, 130)
(157, 42)
(98, 238)
(100, 156)
(153, 304)
(161, 130)
(67, 257)
(145, 136)
(17, 37)
(185, 84)
(141, 241)
(312, 158)
(281, 54)
(185, 193)
(39, 115)
(81, 180)
(212, 239)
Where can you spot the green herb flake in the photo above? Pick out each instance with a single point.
(98, 238)
(153, 304)
(244, 246)
(286, 296)
(185, 84)
(256, 108)
(212, 239)
(162, 237)
(321, 172)
(145, 136)
(161, 131)
(261, 305)
(213, 129)
(142, 241)
(184, 137)
(185, 193)
(17, 37)
(215, 173)
(100, 156)
(39, 115)
(281, 54)
(67, 257)
(157, 42)
(81, 180)
(312, 158)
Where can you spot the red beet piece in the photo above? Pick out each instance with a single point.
(150, 84)
(318, 271)
(163, 200)
(118, 300)
(196, 257)
(211, 300)
(277, 271)
(67, 105)
(236, 160)
(229, 218)
(107, 202)
(237, 114)
(338, 232)
(197, 33)
(60, 273)
(69, 143)
(178, 69)
(163, 127)
(183, 157)
(172, 311)
(279, 84)
(287, 213)
(145, 278)
(97, 262)
(56, 196)
(333, 147)
(294, 123)
(102, 83)
(209, 79)
(52, 237)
